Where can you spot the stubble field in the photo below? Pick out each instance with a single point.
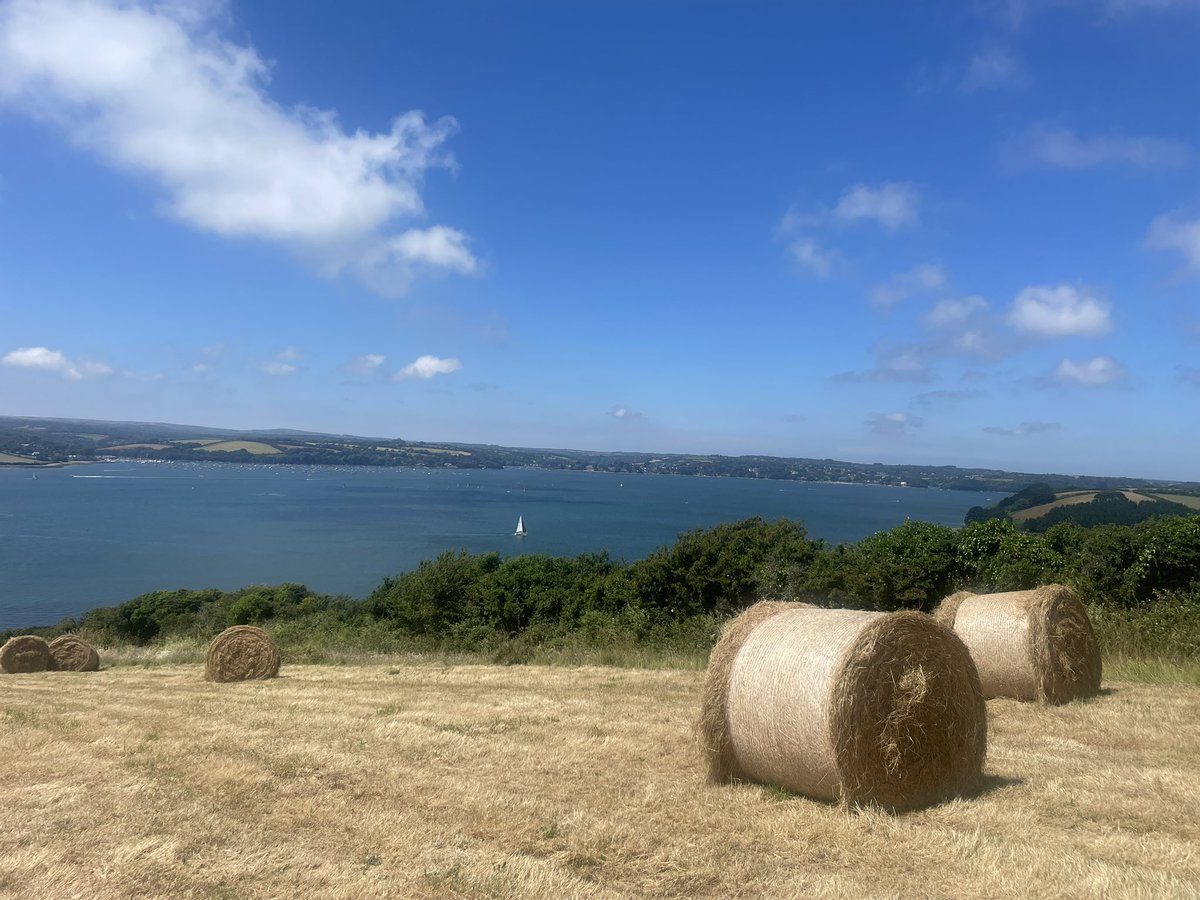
(434, 780)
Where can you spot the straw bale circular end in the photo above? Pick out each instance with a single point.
(1028, 645)
(26, 653)
(70, 653)
(865, 708)
(241, 653)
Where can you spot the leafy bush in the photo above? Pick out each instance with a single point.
(1142, 583)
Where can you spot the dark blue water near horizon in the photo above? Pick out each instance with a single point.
(94, 535)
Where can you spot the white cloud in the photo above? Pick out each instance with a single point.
(818, 261)
(1060, 311)
(925, 277)
(367, 364)
(1055, 147)
(995, 68)
(437, 246)
(893, 424)
(289, 354)
(1095, 372)
(622, 412)
(152, 89)
(428, 367)
(955, 311)
(1173, 232)
(893, 204)
(54, 361)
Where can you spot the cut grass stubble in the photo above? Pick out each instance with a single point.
(437, 781)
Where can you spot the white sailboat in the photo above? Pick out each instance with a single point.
(520, 532)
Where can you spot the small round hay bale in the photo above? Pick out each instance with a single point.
(70, 653)
(866, 708)
(241, 653)
(26, 653)
(1028, 645)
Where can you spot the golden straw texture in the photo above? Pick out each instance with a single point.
(241, 653)
(26, 653)
(865, 708)
(1028, 645)
(70, 653)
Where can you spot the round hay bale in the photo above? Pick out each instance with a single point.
(1028, 645)
(70, 653)
(26, 653)
(241, 653)
(861, 707)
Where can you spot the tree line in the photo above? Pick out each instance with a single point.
(1147, 574)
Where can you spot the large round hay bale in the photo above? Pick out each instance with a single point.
(866, 708)
(1028, 645)
(70, 653)
(26, 653)
(241, 653)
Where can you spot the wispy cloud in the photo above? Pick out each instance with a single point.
(152, 89)
(957, 327)
(1055, 147)
(366, 365)
(56, 361)
(1135, 7)
(903, 363)
(1177, 233)
(1025, 428)
(1015, 13)
(993, 68)
(812, 257)
(282, 364)
(925, 277)
(427, 367)
(1096, 372)
(894, 205)
(893, 424)
(955, 311)
(624, 412)
(211, 354)
(934, 398)
(1060, 311)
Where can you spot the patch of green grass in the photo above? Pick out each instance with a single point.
(1151, 670)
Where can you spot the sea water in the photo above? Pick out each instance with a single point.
(77, 537)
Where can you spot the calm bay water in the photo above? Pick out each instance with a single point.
(94, 535)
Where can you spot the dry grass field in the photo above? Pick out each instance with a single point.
(435, 780)
(11, 459)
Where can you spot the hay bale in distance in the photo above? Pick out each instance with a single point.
(1028, 645)
(70, 653)
(25, 653)
(241, 653)
(866, 708)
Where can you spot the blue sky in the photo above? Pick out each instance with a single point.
(954, 233)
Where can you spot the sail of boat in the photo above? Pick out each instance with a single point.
(520, 532)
